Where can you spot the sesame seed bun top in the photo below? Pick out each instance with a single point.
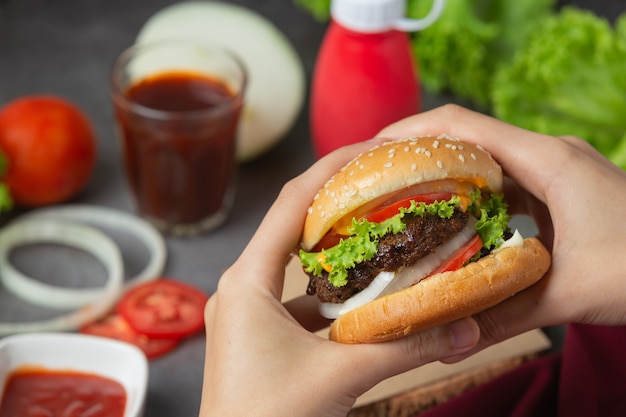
(392, 166)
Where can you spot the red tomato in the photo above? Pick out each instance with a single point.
(391, 210)
(461, 256)
(381, 214)
(50, 148)
(115, 326)
(164, 308)
(329, 240)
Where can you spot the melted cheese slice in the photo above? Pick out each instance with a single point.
(462, 188)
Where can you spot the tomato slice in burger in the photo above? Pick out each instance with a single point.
(461, 256)
(392, 209)
(114, 326)
(164, 308)
(381, 214)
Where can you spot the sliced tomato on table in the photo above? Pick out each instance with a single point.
(115, 326)
(164, 308)
(461, 256)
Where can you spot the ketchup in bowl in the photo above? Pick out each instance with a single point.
(41, 392)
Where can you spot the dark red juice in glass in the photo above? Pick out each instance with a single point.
(179, 134)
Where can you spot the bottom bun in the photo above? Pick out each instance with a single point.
(445, 297)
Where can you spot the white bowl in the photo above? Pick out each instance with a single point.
(118, 361)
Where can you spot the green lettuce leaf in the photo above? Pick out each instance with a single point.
(493, 220)
(569, 78)
(6, 201)
(362, 244)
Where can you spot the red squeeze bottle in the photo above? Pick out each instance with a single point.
(365, 77)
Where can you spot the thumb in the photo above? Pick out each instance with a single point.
(388, 359)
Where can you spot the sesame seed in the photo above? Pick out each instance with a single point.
(448, 137)
(436, 144)
(322, 214)
(361, 166)
(413, 167)
(388, 165)
(427, 153)
(439, 164)
(461, 157)
(310, 210)
(473, 156)
(406, 149)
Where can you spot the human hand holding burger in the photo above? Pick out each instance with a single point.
(577, 199)
(261, 355)
(411, 234)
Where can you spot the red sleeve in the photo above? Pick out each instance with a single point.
(588, 378)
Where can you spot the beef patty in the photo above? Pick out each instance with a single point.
(420, 237)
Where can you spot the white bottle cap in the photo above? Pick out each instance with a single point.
(371, 16)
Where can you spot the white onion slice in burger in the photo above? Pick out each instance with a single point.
(334, 310)
(388, 282)
(516, 240)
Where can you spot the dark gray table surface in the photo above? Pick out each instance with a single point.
(66, 47)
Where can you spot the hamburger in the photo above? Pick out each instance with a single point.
(414, 234)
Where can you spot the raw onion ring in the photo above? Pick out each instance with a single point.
(72, 234)
(117, 220)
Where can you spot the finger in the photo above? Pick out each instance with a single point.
(516, 197)
(519, 151)
(528, 310)
(592, 152)
(530, 159)
(305, 310)
(278, 235)
(522, 202)
(380, 361)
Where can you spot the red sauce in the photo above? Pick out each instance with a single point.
(362, 82)
(180, 166)
(44, 393)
